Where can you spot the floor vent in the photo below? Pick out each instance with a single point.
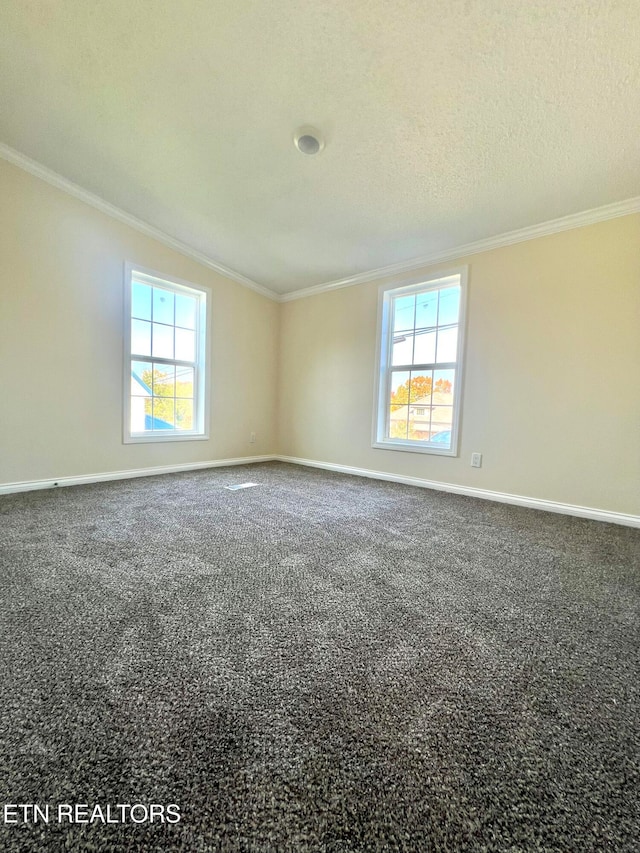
(241, 486)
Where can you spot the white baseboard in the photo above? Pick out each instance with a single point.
(83, 479)
(501, 497)
(485, 494)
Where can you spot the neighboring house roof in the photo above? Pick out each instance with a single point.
(143, 385)
(438, 419)
(156, 423)
(438, 398)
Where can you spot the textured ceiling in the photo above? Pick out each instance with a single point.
(445, 122)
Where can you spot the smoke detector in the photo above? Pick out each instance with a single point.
(308, 140)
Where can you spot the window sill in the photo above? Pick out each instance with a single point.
(155, 439)
(413, 447)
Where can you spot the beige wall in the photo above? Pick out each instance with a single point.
(551, 393)
(61, 349)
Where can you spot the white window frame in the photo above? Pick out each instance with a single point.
(202, 363)
(386, 294)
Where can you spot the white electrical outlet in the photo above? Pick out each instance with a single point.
(252, 438)
(476, 460)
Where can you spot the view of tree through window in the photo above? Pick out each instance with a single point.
(419, 365)
(166, 358)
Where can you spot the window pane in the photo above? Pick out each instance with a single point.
(421, 385)
(441, 420)
(425, 351)
(185, 345)
(427, 309)
(184, 382)
(185, 311)
(140, 337)
(398, 421)
(402, 348)
(148, 414)
(138, 406)
(140, 374)
(163, 302)
(141, 301)
(163, 413)
(164, 380)
(162, 341)
(403, 313)
(184, 414)
(449, 306)
(447, 345)
(443, 386)
(419, 424)
(399, 388)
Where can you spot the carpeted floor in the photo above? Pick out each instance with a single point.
(320, 663)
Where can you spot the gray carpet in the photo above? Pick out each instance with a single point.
(320, 663)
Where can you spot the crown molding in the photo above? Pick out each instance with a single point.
(543, 229)
(67, 186)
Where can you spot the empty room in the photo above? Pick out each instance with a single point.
(319, 426)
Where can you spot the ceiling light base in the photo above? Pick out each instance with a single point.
(308, 140)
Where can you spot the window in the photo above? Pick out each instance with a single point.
(166, 344)
(419, 366)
